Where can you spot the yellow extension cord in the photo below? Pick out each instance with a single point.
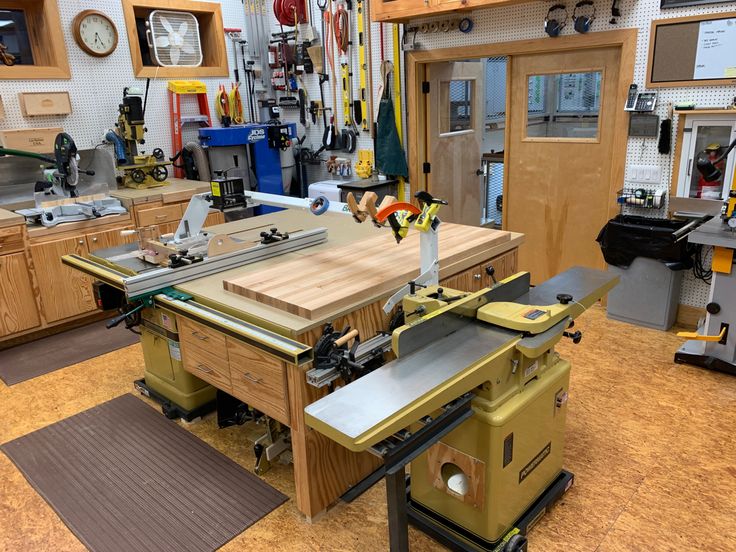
(236, 105)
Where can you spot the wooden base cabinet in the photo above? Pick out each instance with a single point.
(18, 310)
(65, 292)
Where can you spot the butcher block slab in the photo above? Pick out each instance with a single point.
(315, 285)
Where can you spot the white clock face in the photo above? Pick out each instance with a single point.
(98, 34)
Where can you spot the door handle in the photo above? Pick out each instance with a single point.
(205, 369)
(248, 376)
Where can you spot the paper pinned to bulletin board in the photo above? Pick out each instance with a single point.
(696, 50)
(715, 57)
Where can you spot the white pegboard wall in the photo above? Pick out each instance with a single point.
(525, 21)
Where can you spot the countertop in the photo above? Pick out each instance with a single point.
(341, 230)
(178, 190)
(9, 218)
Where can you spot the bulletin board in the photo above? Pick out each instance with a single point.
(692, 51)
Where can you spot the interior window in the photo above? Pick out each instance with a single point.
(564, 105)
(456, 99)
(14, 35)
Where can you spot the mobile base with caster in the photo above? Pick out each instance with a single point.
(170, 409)
(455, 537)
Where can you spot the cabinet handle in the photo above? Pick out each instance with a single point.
(477, 276)
(205, 369)
(248, 376)
(81, 242)
(94, 240)
(199, 336)
(160, 217)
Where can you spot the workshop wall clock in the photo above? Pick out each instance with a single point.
(95, 33)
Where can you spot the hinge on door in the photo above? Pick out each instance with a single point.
(426, 168)
(425, 87)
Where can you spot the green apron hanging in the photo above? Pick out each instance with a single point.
(390, 158)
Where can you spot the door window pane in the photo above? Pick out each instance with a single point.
(710, 141)
(456, 105)
(564, 105)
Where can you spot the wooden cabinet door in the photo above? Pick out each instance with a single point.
(108, 238)
(64, 291)
(215, 217)
(18, 310)
(391, 10)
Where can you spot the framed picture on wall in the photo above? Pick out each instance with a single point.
(682, 3)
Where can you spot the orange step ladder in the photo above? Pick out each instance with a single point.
(177, 89)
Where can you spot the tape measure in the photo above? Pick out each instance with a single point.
(466, 25)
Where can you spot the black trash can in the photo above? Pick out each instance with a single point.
(645, 253)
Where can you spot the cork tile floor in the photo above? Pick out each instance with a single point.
(650, 442)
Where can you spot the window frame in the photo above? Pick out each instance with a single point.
(681, 181)
(50, 60)
(212, 37)
(549, 112)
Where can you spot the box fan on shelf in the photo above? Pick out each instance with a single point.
(173, 38)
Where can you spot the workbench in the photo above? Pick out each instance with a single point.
(217, 344)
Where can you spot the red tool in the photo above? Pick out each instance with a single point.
(290, 12)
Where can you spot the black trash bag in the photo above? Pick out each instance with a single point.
(626, 237)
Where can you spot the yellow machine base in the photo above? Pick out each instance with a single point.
(488, 471)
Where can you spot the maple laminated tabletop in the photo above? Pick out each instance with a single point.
(316, 285)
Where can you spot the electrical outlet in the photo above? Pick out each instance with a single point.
(645, 174)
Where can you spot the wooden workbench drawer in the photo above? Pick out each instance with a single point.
(11, 240)
(199, 336)
(259, 380)
(210, 368)
(159, 215)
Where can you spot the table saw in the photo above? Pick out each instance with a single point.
(260, 352)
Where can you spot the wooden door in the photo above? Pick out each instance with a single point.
(65, 292)
(559, 191)
(18, 310)
(455, 109)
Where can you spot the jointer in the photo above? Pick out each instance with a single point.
(476, 402)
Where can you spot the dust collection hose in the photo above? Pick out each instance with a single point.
(119, 145)
(200, 160)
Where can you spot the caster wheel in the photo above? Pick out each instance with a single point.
(169, 411)
(517, 543)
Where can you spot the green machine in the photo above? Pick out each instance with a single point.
(180, 393)
(476, 402)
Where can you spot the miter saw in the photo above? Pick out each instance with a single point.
(140, 170)
(60, 182)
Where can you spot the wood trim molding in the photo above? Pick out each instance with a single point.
(677, 159)
(675, 20)
(212, 36)
(416, 62)
(47, 42)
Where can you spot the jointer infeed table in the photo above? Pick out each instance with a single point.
(260, 353)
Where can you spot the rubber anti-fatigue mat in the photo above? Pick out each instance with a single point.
(45, 355)
(123, 477)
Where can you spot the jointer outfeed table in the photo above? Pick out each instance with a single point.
(259, 350)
